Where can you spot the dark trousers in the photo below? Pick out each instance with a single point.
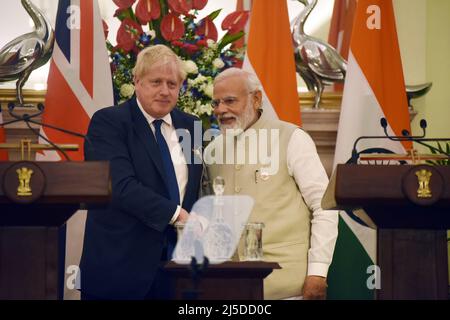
(162, 288)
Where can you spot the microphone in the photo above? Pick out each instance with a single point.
(419, 139)
(355, 153)
(405, 133)
(384, 124)
(404, 137)
(205, 182)
(27, 118)
(423, 125)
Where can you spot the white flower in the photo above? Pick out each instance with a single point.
(208, 55)
(127, 90)
(200, 78)
(190, 67)
(208, 90)
(218, 63)
(205, 109)
(211, 44)
(151, 34)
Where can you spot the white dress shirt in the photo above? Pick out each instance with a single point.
(176, 153)
(305, 166)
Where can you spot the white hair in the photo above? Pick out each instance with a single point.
(251, 79)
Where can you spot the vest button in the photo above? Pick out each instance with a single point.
(237, 189)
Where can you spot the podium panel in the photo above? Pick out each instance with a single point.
(413, 264)
(225, 281)
(409, 205)
(32, 243)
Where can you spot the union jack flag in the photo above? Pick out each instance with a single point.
(79, 81)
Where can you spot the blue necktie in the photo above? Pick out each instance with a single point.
(171, 181)
(171, 177)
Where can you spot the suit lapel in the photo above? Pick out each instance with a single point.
(148, 140)
(144, 132)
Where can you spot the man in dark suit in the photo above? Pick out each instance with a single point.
(154, 184)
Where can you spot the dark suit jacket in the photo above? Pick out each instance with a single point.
(123, 243)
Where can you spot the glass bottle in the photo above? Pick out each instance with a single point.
(219, 236)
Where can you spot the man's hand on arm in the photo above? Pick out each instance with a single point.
(315, 288)
(183, 216)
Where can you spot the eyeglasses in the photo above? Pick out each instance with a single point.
(228, 101)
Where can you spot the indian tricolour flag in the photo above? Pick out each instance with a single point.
(270, 55)
(374, 88)
(341, 29)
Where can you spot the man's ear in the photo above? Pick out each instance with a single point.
(257, 100)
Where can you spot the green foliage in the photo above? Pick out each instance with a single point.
(203, 57)
(443, 149)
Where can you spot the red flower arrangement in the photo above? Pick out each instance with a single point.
(175, 24)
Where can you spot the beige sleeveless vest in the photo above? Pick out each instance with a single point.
(278, 202)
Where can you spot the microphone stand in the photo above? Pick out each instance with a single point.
(197, 269)
(205, 182)
(27, 119)
(419, 139)
(405, 137)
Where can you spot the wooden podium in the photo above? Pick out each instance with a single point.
(225, 281)
(410, 207)
(36, 199)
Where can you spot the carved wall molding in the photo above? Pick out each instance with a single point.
(322, 124)
(30, 96)
(18, 131)
(330, 100)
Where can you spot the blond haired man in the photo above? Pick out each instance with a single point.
(125, 243)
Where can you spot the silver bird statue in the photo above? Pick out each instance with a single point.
(21, 56)
(317, 62)
(416, 91)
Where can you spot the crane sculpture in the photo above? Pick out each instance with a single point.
(317, 62)
(416, 91)
(21, 56)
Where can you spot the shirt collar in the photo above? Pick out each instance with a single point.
(167, 118)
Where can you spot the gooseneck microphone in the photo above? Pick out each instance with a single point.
(28, 119)
(419, 139)
(404, 137)
(405, 133)
(355, 153)
(205, 182)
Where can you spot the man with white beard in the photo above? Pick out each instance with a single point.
(277, 164)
